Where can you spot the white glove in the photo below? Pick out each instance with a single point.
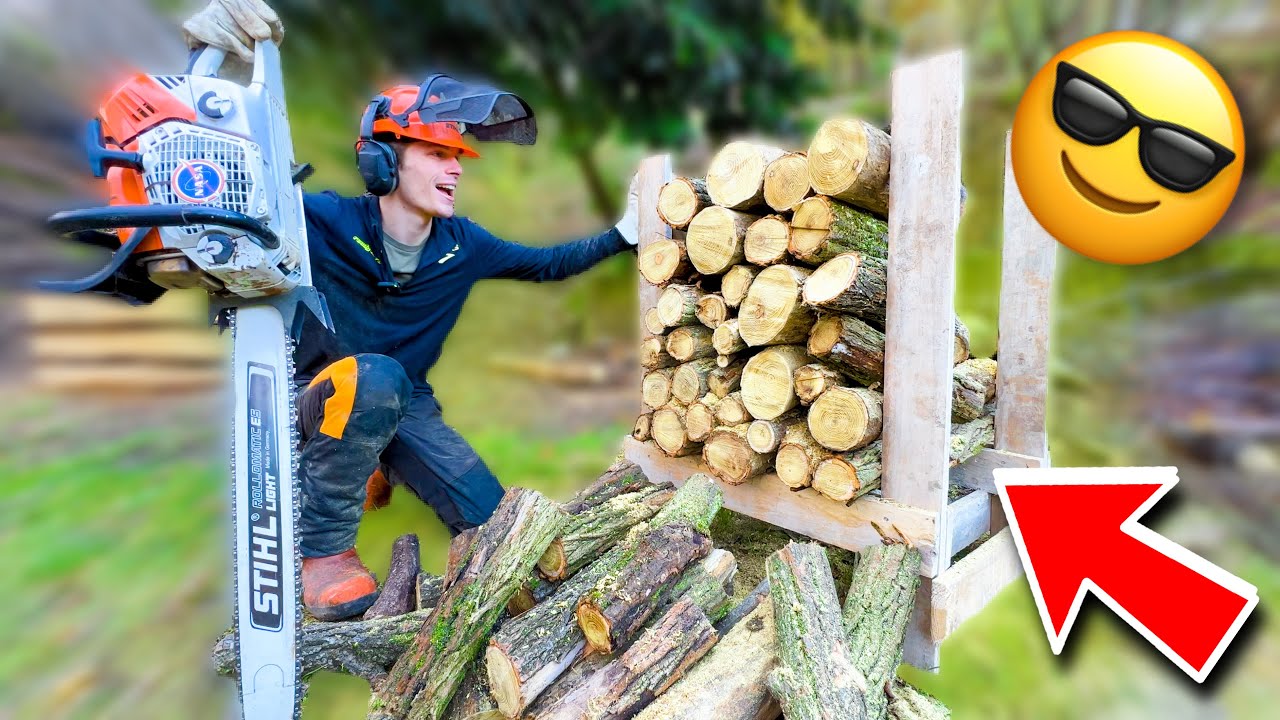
(234, 26)
(629, 225)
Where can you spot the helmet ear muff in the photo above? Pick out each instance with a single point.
(375, 159)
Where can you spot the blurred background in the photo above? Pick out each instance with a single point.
(113, 532)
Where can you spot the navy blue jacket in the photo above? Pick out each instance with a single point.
(348, 262)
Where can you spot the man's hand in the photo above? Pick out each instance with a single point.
(629, 225)
(234, 26)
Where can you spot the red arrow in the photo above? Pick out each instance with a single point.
(1077, 529)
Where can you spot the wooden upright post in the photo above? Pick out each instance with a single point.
(654, 172)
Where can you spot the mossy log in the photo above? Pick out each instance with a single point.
(668, 430)
(877, 610)
(654, 355)
(640, 431)
(681, 199)
(665, 260)
(700, 418)
(727, 338)
(816, 678)
(591, 530)
(653, 322)
(786, 181)
(729, 456)
(735, 178)
(655, 388)
(822, 228)
(773, 313)
(725, 378)
(691, 380)
(846, 418)
(766, 241)
(849, 476)
(712, 310)
(974, 386)
(798, 456)
(430, 588)
(968, 439)
(715, 237)
(906, 702)
(678, 305)
(735, 283)
(731, 410)
(690, 343)
(849, 345)
(765, 436)
(474, 700)
(768, 381)
(814, 379)
(505, 550)
(399, 592)
(849, 160)
(459, 551)
(850, 284)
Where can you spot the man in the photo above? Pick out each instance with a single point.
(395, 269)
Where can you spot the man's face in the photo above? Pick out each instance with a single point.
(429, 178)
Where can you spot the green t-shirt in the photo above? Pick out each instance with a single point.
(403, 258)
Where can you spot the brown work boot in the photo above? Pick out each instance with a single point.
(337, 586)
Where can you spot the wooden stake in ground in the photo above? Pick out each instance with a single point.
(678, 305)
(736, 176)
(731, 410)
(844, 418)
(505, 551)
(772, 313)
(851, 475)
(849, 345)
(798, 456)
(654, 355)
(786, 181)
(815, 378)
(766, 241)
(816, 678)
(668, 430)
(725, 378)
(877, 610)
(655, 388)
(714, 240)
(712, 310)
(974, 386)
(399, 592)
(768, 386)
(690, 343)
(729, 456)
(700, 418)
(822, 228)
(640, 431)
(689, 382)
(851, 283)
(681, 199)
(849, 160)
(727, 339)
(735, 283)
(765, 436)
(664, 260)
(594, 530)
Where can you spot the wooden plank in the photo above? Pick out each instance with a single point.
(919, 649)
(924, 214)
(968, 519)
(976, 471)
(156, 344)
(654, 172)
(766, 498)
(53, 310)
(966, 588)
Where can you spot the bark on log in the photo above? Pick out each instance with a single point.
(849, 476)
(474, 701)
(773, 313)
(729, 457)
(714, 240)
(768, 385)
(844, 418)
(815, 378)
(678, 305)
(640, 431)
(765, 436)
(663, 261)
(712, 310)
(725, 378)
(611, 612)
(532, 591)
(735, 178)
(681, 199)
(700, 418)
(735, 283)
(799, 456)
(822, 228)
(655, 388)
(459, 551)
(690, 380)
(621, 478)
(575, 677)
(668, 430)
(758, 595)
(690, 343)
(786, 181)
(654, 355)
(727, 339)
(877, 610)
(816, 678)
(708, 583)
(962, 343)
(594, 530)
(849, 160)
(974, 386)
(399, 592)
(766, 241)
(908, 703)
(504, 552)
(851, 284)
(653, 322)
(430, 588)
(731, 410)
(849, 345)
(968, 439)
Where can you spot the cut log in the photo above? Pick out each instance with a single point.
(700, 419)
(723, 361)
(654, 355)
(908, 703)
(690, 343)
(504, 552)
(678, 305)
(735, 178)
(851, 475)
(689, 382)
(653, 322)
(844, 418)
(815, 378)
(731, 410)
(712, 310)
(969, 439)
(767, 240)
(655, 389)
(681, 199)
(768, 386)
(765, 436)
(962, 345)
(668, 430)
(877, 610)
(849, 160)
(430, 587)
(695, 503)
(589, 533)
(459, 552)
(816, 678)
(715, 237)
(852, 283)
(730, 458)
(725, 379)
(735, 283)
(849, 345)
(664, 260)
(786, 181)
(726, 339)
(640, 431)
(658, 659)
(822, 228)
(708, 583)
(474, 700)
(773, 313)
(532, 591)
(758, 595)
(621, 478)
(399, 592)
(611, 612)
(974, 386)
(575, 677)
(799, 456)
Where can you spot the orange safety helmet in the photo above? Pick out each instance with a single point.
(402, 119)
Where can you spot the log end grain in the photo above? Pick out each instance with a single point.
(846, 418)
(786, 181)
(735, 178)
(772, 312)
(768, 387)
(680, 200)
(661, 260)
(714, 239)
(736, 282)
(766, 240)
(849, 159)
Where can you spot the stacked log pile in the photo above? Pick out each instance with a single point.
(766, 348)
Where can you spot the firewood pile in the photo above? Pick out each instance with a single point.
(766, 345)
(616, 605)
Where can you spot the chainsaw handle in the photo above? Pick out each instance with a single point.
(207, 61)
(132, 216)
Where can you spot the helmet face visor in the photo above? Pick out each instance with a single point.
(491, 115)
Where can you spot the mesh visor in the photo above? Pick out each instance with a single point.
(491, 115)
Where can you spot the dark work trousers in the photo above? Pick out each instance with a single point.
(361, 414)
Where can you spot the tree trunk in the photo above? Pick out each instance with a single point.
(799, 456)
(845, 418)
(877, 610)
(430, 588)
(851, 284)
(712, 310)
(678, 305)
(968, 439)
(772, 313)
(690, 343)
(823, 228)
(765, 436)
(653, 322)
(816, 678)
(767, 240)
(786, 181)
(594, 530)
(700, 418)
(399, 592)
(729, 456)
(908, 703)
(731, 410)
(654, 355)
(974, 387)
(768, 386)
(735, 178)
(681, 199)
(725, 378)
(640, 431)
(714, 240)
(727, 338)
(735, 283)
(663, 261)
(851, 346)
(849, 160)
(851, 475)
(506, 548)
(815, 378)
(668, 430)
